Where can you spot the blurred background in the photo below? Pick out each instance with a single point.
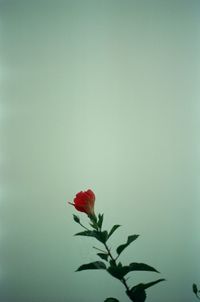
(101, 95)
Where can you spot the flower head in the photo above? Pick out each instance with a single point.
(84, 202)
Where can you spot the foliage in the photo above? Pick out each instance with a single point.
(116, 269)
(196, 291)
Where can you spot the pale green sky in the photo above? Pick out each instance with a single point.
(101, 95)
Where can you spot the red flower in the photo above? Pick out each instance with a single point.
(84, 202)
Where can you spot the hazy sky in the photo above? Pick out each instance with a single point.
(101, 95)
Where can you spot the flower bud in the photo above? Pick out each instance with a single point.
(84, 202)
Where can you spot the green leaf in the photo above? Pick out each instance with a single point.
(76, 218)
(118, 271)
(100, 221)
(103, 256)
(101, 236)
(111, 300)
(114, 228)
(137, 293)
(195, 289)
(92, 265)
(147, 285)
(141, 267)
(123, 246)
(86, 233)
(142, 286)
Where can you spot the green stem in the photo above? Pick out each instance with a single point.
(84, 226)
(123, 280)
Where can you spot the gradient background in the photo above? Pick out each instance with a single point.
(101, 95)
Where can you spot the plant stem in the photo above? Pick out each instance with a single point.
(84, 226)
(123, 280)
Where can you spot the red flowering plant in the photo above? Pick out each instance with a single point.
(84, 202)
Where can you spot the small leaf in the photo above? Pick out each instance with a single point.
(114, 228)
(86, 233)
(100, 221)
(147, 285)
(117, 270)
(123, 246)
(101, 236)
(137, 292)
(76, 218)
(111, 300)
(195, 289)
(92, 265)
(103, 256)
(141, 267)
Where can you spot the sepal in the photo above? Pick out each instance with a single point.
(100, 221)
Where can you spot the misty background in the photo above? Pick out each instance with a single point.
(101, 95)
